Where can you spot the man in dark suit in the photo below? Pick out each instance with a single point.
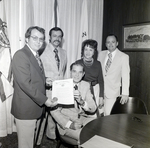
(71, 120)
(29, 87)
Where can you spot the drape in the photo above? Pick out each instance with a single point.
(21, 14)
(7, 125)
(39, 12)
(70, 18)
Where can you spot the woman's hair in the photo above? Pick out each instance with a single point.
(92, 44)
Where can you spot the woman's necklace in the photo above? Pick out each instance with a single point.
(88, 63)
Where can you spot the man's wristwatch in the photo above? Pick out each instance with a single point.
(48, 87)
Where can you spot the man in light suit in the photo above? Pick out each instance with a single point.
(54, 69)
(71, 120)
(116, 75)
(29, 87)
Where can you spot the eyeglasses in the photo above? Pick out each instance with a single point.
(35, 38)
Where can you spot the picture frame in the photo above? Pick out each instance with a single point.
(136, 37)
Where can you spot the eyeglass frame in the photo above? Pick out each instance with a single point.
(35, 38)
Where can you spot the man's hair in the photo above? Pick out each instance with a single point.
(56, 29)
(76, 64)
(113, 36)
(28, 32)
(92, 44)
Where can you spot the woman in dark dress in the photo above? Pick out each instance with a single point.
(93, 69)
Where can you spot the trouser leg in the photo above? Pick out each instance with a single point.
(25, 132)
(108, 104)
(51, 128)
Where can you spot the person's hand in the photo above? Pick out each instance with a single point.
(101, 102)
(51, 102)
(49, 81)
(49, 84)
(124, 99)
(78, 97)
(76, 125)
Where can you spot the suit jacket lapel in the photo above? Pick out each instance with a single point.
(61, 56)
(52, 58)
(103, 61)
(115, 61)
(34, 61)
(81, 88)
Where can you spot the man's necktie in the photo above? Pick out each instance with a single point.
(76, 87)
(57, 58)
(39, 61)
(109, 61)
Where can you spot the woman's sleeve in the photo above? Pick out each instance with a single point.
(101, 81)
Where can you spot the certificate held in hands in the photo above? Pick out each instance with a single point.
(63, 91)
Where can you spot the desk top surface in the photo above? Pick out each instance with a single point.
(129, 129)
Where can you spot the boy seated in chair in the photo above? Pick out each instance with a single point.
(71, 120)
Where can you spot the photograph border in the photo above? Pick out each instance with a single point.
(136, 37)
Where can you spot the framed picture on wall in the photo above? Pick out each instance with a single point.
(136, 37)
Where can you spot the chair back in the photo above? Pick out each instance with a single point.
(133, 106)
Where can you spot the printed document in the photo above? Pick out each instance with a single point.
(101, 142)
(63, 90)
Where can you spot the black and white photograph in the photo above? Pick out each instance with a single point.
(74, 73)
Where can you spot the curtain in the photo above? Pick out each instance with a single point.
(39, 12)
(43, 15)
(7, 125)
(70, 18)
(21, 14)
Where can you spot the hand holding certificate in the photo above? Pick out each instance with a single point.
(63, 90)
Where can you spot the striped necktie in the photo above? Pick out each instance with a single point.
(109, 61)
(39, 61)
(77, 105)
(76, 87)
(57, 58)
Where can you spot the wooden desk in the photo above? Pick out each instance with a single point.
(121, 128)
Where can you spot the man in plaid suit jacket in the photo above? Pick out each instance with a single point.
(71, 120)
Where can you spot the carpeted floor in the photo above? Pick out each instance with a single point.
(11, 142)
